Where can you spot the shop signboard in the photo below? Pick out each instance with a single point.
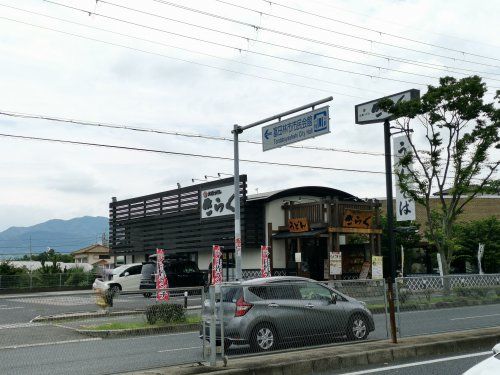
(377, 267)
(295, 129)
(370, 112)
(335, 263)
(405, 206)
(298, 225)
(216, 202)
(162, 293)
(216, 265)
(357, 219)
(265, 269)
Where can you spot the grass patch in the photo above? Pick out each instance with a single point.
(138, 325)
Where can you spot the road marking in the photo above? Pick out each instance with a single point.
(49, 343)
(178, 349)
(20, 325)
(12, 308)
(149, 337)
(475, 317)
(413, 364)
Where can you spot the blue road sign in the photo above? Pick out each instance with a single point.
(296, 129)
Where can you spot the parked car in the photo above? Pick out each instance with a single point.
(180, 273)
(125, 278)
(490, 366)
(268, 311)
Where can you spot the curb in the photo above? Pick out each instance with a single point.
(324, 359)
(139, 331)
(76, 316)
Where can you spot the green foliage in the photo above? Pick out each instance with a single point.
(469, 235)
(459, 130)
(6, 268)
(406, 234)
(168, 313)
(77, 277)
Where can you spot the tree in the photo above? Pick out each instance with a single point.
(469, 235)
(458, 131)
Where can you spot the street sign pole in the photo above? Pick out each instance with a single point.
(370, 113)
(390, 227)
(390, 208)
(238, 243)
(237, 215)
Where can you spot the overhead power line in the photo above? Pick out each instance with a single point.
(283, 33)
(372, 76)
(158, 131)
(239, 49)
(298, 22)
(175, 58)
(248, 39)
(379, 32)
(195, 51)
(186, 154)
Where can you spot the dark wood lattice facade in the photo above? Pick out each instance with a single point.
(172, 220)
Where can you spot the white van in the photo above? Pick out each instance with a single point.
(126, 278)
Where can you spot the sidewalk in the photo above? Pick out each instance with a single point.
(313, 361)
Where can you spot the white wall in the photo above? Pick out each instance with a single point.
(250, 258)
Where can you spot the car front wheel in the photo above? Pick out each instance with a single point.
(264, 337)
(115, 289)
(357, 328)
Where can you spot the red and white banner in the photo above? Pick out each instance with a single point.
(265, 269)
(216, 265)
(161, 278)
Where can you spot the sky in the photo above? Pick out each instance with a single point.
(199, 67)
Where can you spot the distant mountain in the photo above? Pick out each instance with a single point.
(61, 235)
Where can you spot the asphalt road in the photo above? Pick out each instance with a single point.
(99, 357)
(51, 349)
(23, 308)
(442, 365)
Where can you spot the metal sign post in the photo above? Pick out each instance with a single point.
(238, 130)
(369, 113)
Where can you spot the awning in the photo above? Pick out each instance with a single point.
(311, 233)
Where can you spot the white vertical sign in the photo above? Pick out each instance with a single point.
(440, 264)
(335, 263)
(405, 206)
(480, 253)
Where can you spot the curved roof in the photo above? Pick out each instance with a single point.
(315, 191)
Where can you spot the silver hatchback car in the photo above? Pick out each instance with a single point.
(269, 311)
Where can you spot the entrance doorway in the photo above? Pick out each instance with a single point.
(313, 254)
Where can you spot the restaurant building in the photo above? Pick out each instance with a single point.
(303, 225)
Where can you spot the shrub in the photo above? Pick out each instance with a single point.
(462, 291)
(168, 313)
(403, 295)
(77, 277)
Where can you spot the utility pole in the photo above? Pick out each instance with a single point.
(237, 216)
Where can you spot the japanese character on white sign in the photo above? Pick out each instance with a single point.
(217, 202)
(405, 206)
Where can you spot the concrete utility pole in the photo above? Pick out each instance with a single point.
(237, 216)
